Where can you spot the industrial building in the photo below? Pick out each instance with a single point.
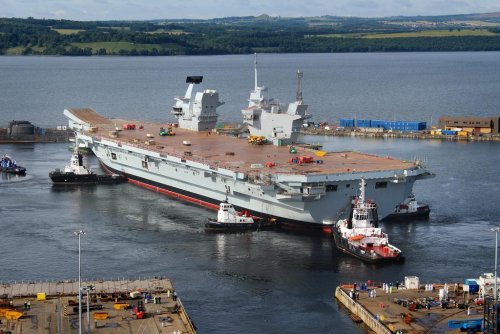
(385, 125)
(471, 125)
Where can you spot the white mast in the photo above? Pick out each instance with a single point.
(255, 63)
(361, 198)
(298, 97)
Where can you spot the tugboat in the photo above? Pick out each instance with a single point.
(229, 220)
(360, 236)
(81, 147)
(409, 209)
(7, 165)
(77, 174)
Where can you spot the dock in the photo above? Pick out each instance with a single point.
(115, 307)
(421, 135)
(49, 135)
(408, 310)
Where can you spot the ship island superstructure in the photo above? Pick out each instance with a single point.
(269, 118)
(202, 167)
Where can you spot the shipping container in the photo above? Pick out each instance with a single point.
(473, 288)
(377, 124)
(386, 125)
(449, 132)
(363, 123)
(485, 130)
(347, 123)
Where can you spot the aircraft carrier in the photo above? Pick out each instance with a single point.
(278, 180)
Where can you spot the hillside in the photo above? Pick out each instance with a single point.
(243, 35)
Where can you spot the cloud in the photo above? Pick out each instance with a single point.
(158, 9)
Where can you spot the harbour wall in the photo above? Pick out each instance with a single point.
(357, 309)
(407, 135)
(50, 135)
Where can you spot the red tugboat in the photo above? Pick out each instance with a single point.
(360, 236)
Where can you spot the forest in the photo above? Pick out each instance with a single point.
(244, 35)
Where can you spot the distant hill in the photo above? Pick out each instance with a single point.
(242, 35)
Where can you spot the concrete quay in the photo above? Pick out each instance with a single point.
(52, 307)
(396, 134)
(397, 311)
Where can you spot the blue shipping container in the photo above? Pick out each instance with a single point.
(363, 123)
(386, 125)
(473, 288)
(347, 123)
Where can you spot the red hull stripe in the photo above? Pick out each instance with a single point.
(174, 194)
(287, 223)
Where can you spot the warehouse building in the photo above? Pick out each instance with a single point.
(405, 126)
(471, 125)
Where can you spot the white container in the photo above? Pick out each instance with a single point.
(412, 282)
(442, 294)
(135, 294)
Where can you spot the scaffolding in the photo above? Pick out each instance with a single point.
(491, 314)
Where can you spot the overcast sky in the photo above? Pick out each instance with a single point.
(204, 9)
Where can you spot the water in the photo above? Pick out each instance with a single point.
(402, 86)
(271, 281)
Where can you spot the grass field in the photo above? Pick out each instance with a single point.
(479, 23)
(424, 33)
(18, 50)
(115, 47)
(68, 31)
(434, 33)
(164, 31)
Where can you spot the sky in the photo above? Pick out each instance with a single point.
(88, 10)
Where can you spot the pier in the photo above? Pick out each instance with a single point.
(408, 310)
(422, 135)
(52, 135)
(115, 306)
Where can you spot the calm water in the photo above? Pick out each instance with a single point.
(405, 86)
(269, 282)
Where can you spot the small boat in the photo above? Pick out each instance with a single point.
(410, 209)
(360, 236)
(77, 174)
(7, 165)
(228, 220)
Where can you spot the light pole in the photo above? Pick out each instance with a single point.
(87, 289)
(496, 230)
(79, 234)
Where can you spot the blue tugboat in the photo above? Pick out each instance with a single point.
(7, 165)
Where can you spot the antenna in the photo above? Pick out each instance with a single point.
(361, 198)
(298, 97)
(255, 64)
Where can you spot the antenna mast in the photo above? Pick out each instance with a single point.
(255, 63)
(298, 97)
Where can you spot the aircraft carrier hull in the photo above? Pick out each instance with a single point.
(183, 183)
(204, 168)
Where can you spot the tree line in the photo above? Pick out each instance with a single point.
(36, 36)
